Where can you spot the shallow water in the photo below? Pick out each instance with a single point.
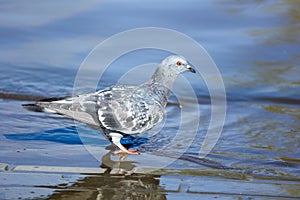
(255, 46)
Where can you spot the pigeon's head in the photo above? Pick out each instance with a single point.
(177, 63)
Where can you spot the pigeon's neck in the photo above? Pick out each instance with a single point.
(164, 76)
(161, 83)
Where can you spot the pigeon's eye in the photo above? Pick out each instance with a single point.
(179, 63)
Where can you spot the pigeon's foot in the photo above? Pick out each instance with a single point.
(133, 151)
(125, 152)
(116, 138)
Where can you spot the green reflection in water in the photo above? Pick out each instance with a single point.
(287, 29)
(273, 27)
(282, 109)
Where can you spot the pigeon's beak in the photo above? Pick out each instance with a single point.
(190, 69)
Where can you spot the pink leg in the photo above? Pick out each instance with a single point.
(116, 138)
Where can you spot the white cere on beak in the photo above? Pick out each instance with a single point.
(190, 69)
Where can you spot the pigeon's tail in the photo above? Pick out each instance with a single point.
(39, 106)
(82, 108)
(33, 107)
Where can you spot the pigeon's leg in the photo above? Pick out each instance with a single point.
(116, 138)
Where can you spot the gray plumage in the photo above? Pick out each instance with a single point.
(124, 109)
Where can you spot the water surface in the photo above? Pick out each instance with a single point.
(255, 46)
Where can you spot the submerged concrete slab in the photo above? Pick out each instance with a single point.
(56, 169)
(27, 185)
(54, 182)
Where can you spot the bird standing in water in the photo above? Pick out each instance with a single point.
(122, 110)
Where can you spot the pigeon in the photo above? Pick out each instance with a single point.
(121, 109)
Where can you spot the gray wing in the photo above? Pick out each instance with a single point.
(128, 110)
(81, 108)
(84, 108)
(118, 108)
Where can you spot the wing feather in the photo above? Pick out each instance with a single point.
(117, 108)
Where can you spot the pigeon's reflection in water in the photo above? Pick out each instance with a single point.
(123, 166)
(118, 182)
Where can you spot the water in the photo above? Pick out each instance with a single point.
(255, 46)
